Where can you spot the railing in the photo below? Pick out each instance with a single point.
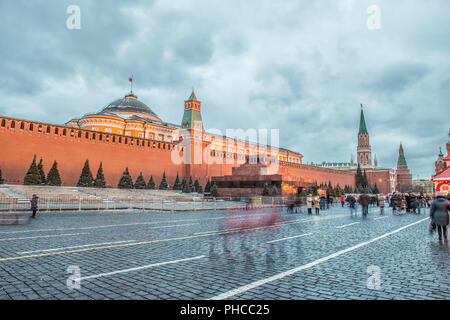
(157, 204)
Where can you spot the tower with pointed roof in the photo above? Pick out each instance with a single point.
(404, 177)
(192, 117)
(364, 152)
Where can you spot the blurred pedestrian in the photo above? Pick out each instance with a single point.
(439, 214)
(317, 204)
(34, 205)
(309, 201)
(351, 203)
(381, 200)
(364, 201)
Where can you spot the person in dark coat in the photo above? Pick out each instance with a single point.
(413, 203)
(364, 200)
(439, 214)
(34, 205)
(351, 203)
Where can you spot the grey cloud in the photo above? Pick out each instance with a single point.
(300, 66)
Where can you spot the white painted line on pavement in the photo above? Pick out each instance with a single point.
(380, 218)
(124, 224)
(140, 268)
(347, 225)
(299, 236)
(48, 236)
(81, 246)
(309, 265)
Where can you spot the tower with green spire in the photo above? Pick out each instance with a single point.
(401, 162)
(404, 177)
(364, 152)
(191, 135)
(192, 117)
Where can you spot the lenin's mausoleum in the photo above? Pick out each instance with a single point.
(127, 133)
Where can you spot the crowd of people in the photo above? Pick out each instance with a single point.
(401, 204)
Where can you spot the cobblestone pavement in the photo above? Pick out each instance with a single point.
(207, 255)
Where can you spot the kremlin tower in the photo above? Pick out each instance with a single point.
(404, 177)
(364, 153)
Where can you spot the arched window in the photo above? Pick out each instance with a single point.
(22, 126)
(79, 134)
(31, 127)
(114, 139)
(120, 139)
(3, 123)
(13, 124)
(56, 130)
(86, 136)
(48, 129)
(93, 136)
(100, 137)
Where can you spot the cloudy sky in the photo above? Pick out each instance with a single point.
(302, 67)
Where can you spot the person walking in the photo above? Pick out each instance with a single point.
(381, 201)
(351, 203)
(364, 200)
(34, 205)
(309, 201)
(317, 204)
(439, 214)
(342, 201)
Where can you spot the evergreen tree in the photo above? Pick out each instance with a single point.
(329, 189)
(53, 178)
(314, 190)
(163, 185)
(41, 171)
(191, 185)
(151, 184)
(214, 191)
(200, 189)
(196, 185)
(274, 190)
(86, 179)
(183, 183)
(125, 182)
(358, 177)
(375, 189)
(1, 178)
(32, 177)
(186, 188)
(265, 191)
(140, 182)
(99, 181)
(208, 187)
(177, 184)
(365, 182)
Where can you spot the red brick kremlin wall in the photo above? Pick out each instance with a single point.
(17, 148)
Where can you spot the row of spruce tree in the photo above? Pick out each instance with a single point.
(362, 183)
(36, 176)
